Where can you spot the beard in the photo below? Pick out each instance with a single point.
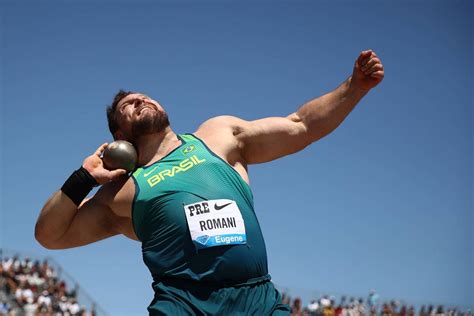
(152, 123)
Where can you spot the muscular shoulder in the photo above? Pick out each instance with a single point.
(222, 131)
(223, 122)
(221, 135)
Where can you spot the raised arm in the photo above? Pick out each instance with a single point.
(271, 138)
(63, 224)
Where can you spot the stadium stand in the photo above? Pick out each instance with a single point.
(372, 305)
(40, 287)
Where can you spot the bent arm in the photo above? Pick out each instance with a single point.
(61, 224)
(271, 138)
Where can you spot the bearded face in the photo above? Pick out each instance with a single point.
(139, 115)
(149, 121)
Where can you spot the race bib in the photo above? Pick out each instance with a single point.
(215, 223)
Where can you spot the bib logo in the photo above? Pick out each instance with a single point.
(202, 239)
(183, 166)
(188, 149)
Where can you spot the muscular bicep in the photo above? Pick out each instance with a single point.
(251, 142)
(271, 138)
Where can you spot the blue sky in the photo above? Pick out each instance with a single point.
(384, 202)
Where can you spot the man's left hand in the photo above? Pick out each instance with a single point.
(368, 71)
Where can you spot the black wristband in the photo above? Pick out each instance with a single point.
(78, 185)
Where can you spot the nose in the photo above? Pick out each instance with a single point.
(137, 102)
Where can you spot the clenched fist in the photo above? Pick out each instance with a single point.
(368, 71)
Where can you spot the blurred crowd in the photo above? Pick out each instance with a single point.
(32, 288)
(371, 306)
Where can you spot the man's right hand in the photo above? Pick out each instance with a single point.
(96, 168)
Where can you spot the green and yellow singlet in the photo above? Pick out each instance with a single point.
(180, 188)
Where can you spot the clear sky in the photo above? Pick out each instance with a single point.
(385, 202)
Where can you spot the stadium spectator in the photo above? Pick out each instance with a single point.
(360, 307)
(30, 308)
(423, 311)
(23, 293)
(431, 310)
(328, 307)
(403, 311)
(325, 301)
(351, 309)
(373, 311)
(312, 307)
(339, 309)
(296, 308)
(45, 302)
(74, 307)
(386, 310)
(373, 299)
(440, 311)
(44, 299)
(394, 306)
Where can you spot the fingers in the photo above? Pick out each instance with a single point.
(374, 68)
(370, 64)
(368, 70)
(366, 59)
(101, 149)
(364, 56)
(377, 74)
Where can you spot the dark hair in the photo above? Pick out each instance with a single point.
(113, 125)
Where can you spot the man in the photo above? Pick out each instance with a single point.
(189, 202)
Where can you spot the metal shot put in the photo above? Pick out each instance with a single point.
(120, 154)
(189, 202)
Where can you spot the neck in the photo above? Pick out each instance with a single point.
(153, 147)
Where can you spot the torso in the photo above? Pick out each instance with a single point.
(122, 191)
(194, 216)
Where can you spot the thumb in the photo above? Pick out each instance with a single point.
(117, 173)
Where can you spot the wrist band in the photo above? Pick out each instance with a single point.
(78, 185)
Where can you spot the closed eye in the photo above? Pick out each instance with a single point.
(128, 102)
(123, 106)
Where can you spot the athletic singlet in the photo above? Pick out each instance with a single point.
(191, 174)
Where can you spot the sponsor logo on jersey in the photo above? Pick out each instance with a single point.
(220, 207)
(146, 174)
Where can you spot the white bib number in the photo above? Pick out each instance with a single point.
(215, 223)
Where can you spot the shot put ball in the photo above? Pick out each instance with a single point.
(120, 154)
